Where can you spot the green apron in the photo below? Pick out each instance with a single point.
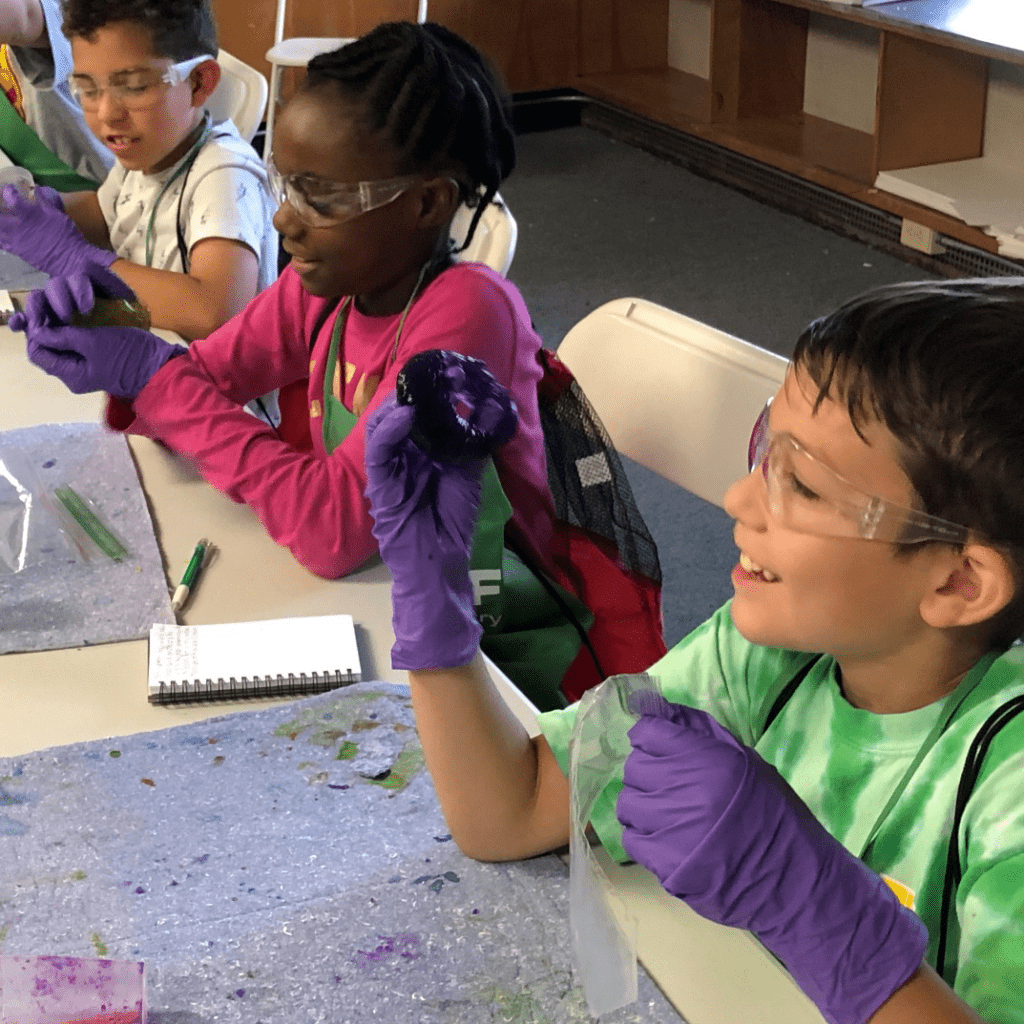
(26, 149)
(526, 633)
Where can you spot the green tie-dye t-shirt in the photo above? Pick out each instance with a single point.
(845, 763)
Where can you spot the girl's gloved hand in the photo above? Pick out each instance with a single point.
(724, 832)
(424, 513)
(118, 360)
(63, 297)
(424, 516)
(43, 235)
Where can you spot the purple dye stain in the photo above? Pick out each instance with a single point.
(405, 946)
(201, 860)
(49, 463)
(140, 890)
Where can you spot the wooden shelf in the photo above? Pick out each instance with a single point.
(930, 94)
(804, 145)
(979, 27)
(663, 94)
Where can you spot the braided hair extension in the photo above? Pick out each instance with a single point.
(434, 98)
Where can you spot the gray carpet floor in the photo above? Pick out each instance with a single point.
(600, 219)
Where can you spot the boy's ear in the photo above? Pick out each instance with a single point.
(205, 80)
(978, 585)
(440, 199)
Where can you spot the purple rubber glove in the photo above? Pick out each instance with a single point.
(724, 832)
(44, 236)
(118, 360)
(424, 513)
(63, 297)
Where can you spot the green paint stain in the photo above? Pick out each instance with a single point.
(78, 876)
(347, 751)
(325, 737)
(3, 932)
(98, 944)
(115, 753)
(517, 1007)
(335, 718)
(406, 765)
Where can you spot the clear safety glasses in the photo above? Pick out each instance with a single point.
(135, 89)
(806, 495)
(324, 204)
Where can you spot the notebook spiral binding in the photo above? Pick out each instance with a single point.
(192, 691)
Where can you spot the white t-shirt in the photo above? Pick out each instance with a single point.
(225, 194)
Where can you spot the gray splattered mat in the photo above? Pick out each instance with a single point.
(61, 600)
(284, 865)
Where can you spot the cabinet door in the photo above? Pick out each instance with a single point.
(931, 103)
(758, 58)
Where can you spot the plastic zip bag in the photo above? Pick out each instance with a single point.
(37, 526)
(27, 530)
(605, 952)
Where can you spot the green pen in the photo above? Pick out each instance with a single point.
(190, 575)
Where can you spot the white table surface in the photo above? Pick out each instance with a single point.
(713, 975)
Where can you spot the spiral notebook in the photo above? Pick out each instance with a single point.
(239, 660)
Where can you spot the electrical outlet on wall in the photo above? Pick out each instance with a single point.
(917, 236)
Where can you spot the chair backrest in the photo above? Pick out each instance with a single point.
(494, 241)
(241, 95)
(282, 10)
(675, 395)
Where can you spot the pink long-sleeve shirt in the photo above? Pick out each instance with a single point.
(312, 502)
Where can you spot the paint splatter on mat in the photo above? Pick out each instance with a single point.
(284, 865)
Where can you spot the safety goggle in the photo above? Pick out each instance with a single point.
(323, 204)
(137, 89)
(807, 496)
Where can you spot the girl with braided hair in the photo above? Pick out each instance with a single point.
(383, 141)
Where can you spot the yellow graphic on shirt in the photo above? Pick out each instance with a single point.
(365, 390)
(315, 409)
(9, 82)
(903, 894)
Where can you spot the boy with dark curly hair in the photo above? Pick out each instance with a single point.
(184, 216)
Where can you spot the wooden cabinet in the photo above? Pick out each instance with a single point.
(768, 64)
(829, 92)
(531, 42)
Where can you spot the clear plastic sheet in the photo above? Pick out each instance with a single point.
(30, 529)
(39, 525)
(605, 952)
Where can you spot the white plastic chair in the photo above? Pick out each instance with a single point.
(675, 395)
(494, 241)
(241, 95)
(297, 52)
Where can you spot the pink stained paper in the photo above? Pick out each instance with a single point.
(66, 989)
